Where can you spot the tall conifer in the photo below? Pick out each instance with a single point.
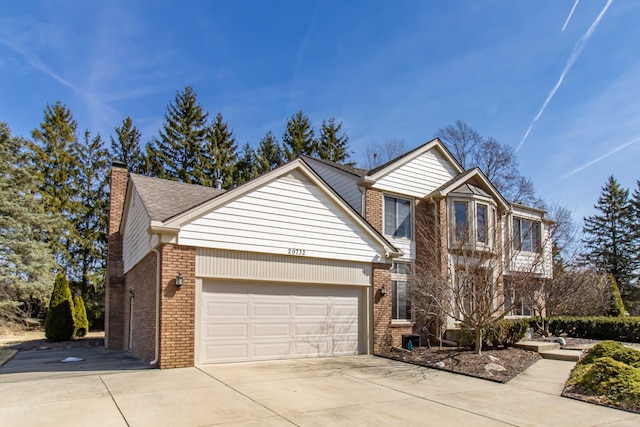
(269, 154)
(330, 145)
(298, 137)
(178, 150)
(126, 147)
(219, 154)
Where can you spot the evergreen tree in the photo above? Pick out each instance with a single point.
(219, 156)
(179, 149)
(269, 154)
(90, 223)
(55, 164)
(298, 137)
(80, 322)
(126, 148)
(247, 167)
(607, 235)
(150, 163)
(59, 325)
(26, 262)
(332, 146)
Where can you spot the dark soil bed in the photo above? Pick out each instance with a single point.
(493, 365)
(36, 341)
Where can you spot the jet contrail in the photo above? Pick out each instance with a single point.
(604, 156)
(570, 15)
(577, 50)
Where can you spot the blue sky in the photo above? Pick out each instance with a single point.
(568, 81)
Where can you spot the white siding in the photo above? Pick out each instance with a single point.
(216, 263)
(408, 247)
(289, 213)
(135, 243)
(343, 183)
(419, 176)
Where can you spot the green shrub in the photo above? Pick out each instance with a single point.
(615, 308)
(80, 317)
(503, 333)
(614, 350)
(618, 382)
(58, 325)
(625, 329)
(506, 332)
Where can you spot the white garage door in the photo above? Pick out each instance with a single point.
(260, 321)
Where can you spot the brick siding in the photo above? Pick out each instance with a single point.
(115, 283)
(177, 307)
(142, 280)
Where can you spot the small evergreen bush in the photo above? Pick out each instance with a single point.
(80, 320)
(614, 350)
(615, 307)
(614, 380)
(59, 325)
(506, 332)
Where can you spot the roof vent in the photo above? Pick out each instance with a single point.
(218, 184)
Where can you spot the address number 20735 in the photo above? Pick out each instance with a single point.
(293, 251)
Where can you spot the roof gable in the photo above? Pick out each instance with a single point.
(472, 182)
(286, 208)
(417, 173)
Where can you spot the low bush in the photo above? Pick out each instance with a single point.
(625, 329)
(503, 333)
(615, 351)
(506, 332)
(616, 381)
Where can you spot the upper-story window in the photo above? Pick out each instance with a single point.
(397, 217)
(481, 223)
(526, 235)
(472, 222)
(461, 221)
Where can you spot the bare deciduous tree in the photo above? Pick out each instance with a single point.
(466, 282)
(379, 154)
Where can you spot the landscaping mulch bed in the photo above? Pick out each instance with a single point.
(493, 365)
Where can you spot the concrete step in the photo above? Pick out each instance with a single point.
(538, 346)
(568, 355)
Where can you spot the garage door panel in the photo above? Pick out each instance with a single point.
(224, 330)
(227, 352)
(264, 308)
(263, 321)
(261, 330)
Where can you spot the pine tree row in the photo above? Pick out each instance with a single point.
(192, 149)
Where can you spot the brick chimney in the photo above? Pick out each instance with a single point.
(115, 285)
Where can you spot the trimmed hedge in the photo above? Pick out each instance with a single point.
(625, 329)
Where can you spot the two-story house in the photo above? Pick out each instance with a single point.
(311, 259)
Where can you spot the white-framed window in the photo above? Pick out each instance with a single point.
(461, 221)
(516, 304)
(397, 217)
(401, 291)
(473, 222)
(482, 223)
(527, 235)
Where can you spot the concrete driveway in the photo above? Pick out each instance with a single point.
(350, 391)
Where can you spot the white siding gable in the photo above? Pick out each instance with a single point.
(135, 240)
(289, 215)
(418, 177)
(343, 183)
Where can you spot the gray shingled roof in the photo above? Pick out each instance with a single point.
(164, 199)
(346, 168)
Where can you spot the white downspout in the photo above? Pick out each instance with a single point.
(159, 293)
